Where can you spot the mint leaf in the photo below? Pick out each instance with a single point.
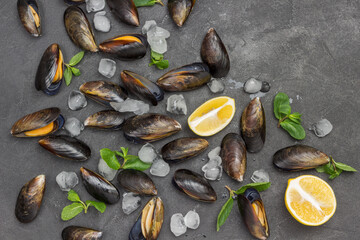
(75, 71)
(134, 162)
(156, 56)
(295, 117)
(344, 167)
(147, 3)
(261, 186)
(281, 100)
(119, 153)
(100, 206)
(224, 213)
(71, 211)
(73, 196)
(320, 169)
(162, 64)
(335, 174)
(294, 129)
(110, 158)
(125, 151)
(76, 59)
(285, 109)
(67, 76)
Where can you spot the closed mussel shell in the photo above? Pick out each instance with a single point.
(136, 233)
(185, 78)
(142, 87)
(299, 157)
(180, 10)
(137, 182)
(38, 124)
(80, 233)
(66, 147)
(99, 187)
(79, 29)
(253, 126)
(183, 148)
(126, 46)
(214, 54)
(150, 127)
(29, 15)
(103, 92)
(107, 119)
(233, 155)
(253, 213)
(194, 185)
(125, 10)
(29, 200)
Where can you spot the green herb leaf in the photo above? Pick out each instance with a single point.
(320, 169)
(261, 186)
(147, 3)
(67, 76)
(134, 162)
(344, 167)
(335, 174)
(156, 56)
(158, 60)
(73, 196)
(120, 154)
(125, 151)
(162, 64)
(75, 71)
(76, 59)
(110, 158)
(224, 213)
(100, 206)
(295, 117)
(285, 109)
(71, 211)
(281, 102)
(294, 129)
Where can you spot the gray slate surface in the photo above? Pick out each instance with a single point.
(306, 48)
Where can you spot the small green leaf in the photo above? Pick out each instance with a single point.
(285, 109)
(320, 169)
(71, 211)
(335, 174)
(261, 186)
(281, 99)
(156, 56)
(110, 158)
(345, 167)
(329, 169)
(295, 117)
(147, 3)
(119, 153)
(73, 196)
(75, 71)
(295, 130)
(100, 206)
(76, 59)
(67, 76)
(162, 64)
(224, 213)
(125, 151)
(134, 162)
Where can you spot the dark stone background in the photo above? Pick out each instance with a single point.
(308, 48)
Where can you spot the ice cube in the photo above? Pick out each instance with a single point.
(216, 86)
(158, 45)
(192, 220)
(130, 202)
(236, 84)
(106, 171)
(94, 5)
(213, 173)
(76, 100)
(214, 153)
(252, 85)
(258, 94)
(131, 105)
(73, 126)
(67, 180)
(159, 168)
(177, 224)
(148, 25)
(107, 67)
(212, 163)
(322, 128)
(147, 153)
(176, 104)
(158, 33)
(260, 176)
(101, 22)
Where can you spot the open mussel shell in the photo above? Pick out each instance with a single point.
(137, 182)
(74, 2)
(126, 46)
(150, 127)
(233, 155)
(37, 124)
(29, 15)
(180, 10)
(214, 54)
(299, 157)
(125, 10)
(142, 87)
(107, 119)
(99, 187)
(183, 148)
(185, 78)
(194, 185)
(253, 126)
(79, 29)
(253, 213)
(103, 92)
(50, 71)
(80, 233)
(29, 200)
(66, 147)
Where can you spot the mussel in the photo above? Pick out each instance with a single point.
(149, 223)
(142, 87)
(29, 200)
(253, 126)
(99, 187)
(180, 10)
(74, 2)
(29, 15)
(194, 185)
(150, 127)
(185, 78)
(233, 155)
(37, 124)
(80, 233)
(103, 92)
(107, 119)
(126, 46)
(50, 71)
(183, 148)
(125, 10)
(253, 213)
(79, 29)
(299, 157)
(137, 182)
(66, 147)
(214, 54)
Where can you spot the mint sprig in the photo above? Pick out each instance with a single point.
(71, 69)
(72, 210)
(147, 3)
(334, 169)
(158, 60)
(291, 122)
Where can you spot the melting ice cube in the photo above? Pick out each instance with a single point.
(176, 104)
(101, 22)
(73, 126)
(130, 202)
(107, 67)
(147, 153)
(192, 220)
(260, 176)
(67, 180)
(76, 100)
(177, 224)
(106, 171)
